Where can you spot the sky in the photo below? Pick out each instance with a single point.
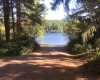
(59, 14)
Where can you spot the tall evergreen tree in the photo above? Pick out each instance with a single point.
(6, 19)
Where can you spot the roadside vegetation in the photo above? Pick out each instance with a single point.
(21, 21)
(20, 24)
(85, 39)
(83, 30)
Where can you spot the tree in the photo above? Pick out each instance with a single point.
(6, 19)
(54, 26)
(18, 4)
(56, 3)
(21, 13)
(13, 23)
(84, 23)
(23, 21)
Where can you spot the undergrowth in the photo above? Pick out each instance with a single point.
(93, 51)
(19, 47)
(92, 67)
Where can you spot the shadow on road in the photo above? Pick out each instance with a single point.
(50, 63)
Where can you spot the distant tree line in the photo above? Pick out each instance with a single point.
(54, 26)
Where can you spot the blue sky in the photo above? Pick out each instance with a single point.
(59, 14)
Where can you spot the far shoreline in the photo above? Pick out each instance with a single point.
(47, 45)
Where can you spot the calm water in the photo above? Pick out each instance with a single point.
(53, 39)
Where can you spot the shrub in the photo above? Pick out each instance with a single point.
(13, 48)
(96, 56)
(78, 48)
(71, 43)
(75, 46)
(97, 45)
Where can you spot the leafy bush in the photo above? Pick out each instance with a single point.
(71, 43)
(3, 51)
(78, 48)
(97, 45)
(96, 56)
(75, 46)
(13, 48)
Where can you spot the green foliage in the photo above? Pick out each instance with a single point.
(97, 45)
(93, 66)
(96, 56)
(2, 30)
(79, 35)
(96, 49)
(33, 21)
(25, 45)
(79, 48)
(54, 26)
(29, 18)
(76, 46)
(73, 29)
(20, 31)
(88, 33)
(86, 27)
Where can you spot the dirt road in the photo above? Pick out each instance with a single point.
(50, 63)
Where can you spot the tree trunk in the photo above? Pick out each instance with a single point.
(13, 24)
(18, 19)
(6, 19)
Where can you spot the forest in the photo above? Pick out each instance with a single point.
(21, 21)
(83, 29)
(54, 26)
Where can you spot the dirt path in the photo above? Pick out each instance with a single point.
(50, 63)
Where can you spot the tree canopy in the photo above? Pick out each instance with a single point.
(18, 16)
(83, 26)
(20, 22)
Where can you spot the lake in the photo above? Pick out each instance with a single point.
(53, 39)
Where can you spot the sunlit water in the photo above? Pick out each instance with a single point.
(53, 39)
